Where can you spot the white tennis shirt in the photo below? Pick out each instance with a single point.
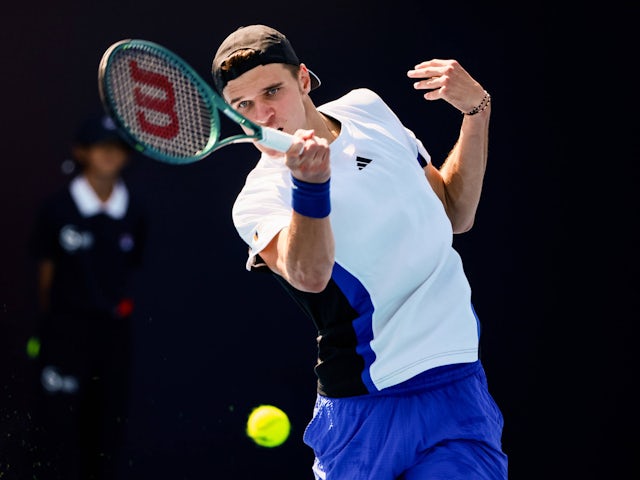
(405, 303)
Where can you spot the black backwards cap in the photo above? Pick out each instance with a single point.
(270, 45)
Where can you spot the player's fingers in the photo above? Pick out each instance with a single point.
(316, 149)
(300, 139)
(296, 148)
(434, 62)
(429, 83)
(426, 70)
(313, 164)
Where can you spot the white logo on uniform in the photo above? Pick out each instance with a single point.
(72, 239)
(126, 242)
(53, 381)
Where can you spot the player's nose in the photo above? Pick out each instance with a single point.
(265, 114)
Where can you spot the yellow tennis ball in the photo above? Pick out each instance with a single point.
(268, 426)
(33, 347)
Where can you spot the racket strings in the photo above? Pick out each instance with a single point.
(159, 103)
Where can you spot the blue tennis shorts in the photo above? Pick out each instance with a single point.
(441, 424)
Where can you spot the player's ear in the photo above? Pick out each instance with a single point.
(304, 79)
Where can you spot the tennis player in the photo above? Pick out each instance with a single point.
(356, 222)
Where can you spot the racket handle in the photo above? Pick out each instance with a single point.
(275, 139)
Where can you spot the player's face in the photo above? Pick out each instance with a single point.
(271, 96)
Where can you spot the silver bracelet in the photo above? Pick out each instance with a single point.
(483, 105)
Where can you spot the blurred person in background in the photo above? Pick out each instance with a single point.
(87, 241)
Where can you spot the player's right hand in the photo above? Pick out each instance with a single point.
(308, 158)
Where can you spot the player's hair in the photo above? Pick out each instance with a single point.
(236, 59)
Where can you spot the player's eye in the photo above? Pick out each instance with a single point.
(272, 91)
(243, 105)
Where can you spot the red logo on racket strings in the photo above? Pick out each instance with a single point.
(163, 105)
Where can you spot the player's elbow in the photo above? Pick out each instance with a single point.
(463, 226)
(462, 218)
(311, 280)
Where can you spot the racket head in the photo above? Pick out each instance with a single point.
(159, 103)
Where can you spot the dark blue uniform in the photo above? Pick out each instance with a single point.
(86, 332)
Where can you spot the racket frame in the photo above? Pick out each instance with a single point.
(266, 136)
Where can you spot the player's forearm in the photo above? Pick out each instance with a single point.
(307, 253)
(464, 169)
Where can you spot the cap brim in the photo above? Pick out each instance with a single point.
(315, 80)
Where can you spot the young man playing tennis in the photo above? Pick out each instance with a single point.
(357, 223)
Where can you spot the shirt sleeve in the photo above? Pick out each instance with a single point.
(423, 156)
(262, 208)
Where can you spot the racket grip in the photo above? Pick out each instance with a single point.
(275, 139)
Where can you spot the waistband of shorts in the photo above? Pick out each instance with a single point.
(433, 378)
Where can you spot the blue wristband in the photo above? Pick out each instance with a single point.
(311, 199)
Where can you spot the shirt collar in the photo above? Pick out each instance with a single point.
(89, 204)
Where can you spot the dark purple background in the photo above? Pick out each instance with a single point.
(212, 340)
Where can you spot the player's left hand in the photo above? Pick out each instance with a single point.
(447, 80)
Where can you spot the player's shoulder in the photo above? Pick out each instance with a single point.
(360, 101)
(364, 95)
(357, 96)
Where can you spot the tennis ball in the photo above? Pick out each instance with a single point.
(268, 426)
(33, 347)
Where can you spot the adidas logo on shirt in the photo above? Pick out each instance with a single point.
(362, 162)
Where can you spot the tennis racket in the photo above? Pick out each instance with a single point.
(165, 110)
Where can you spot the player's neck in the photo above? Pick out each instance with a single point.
(332, 126)
(324, 126)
